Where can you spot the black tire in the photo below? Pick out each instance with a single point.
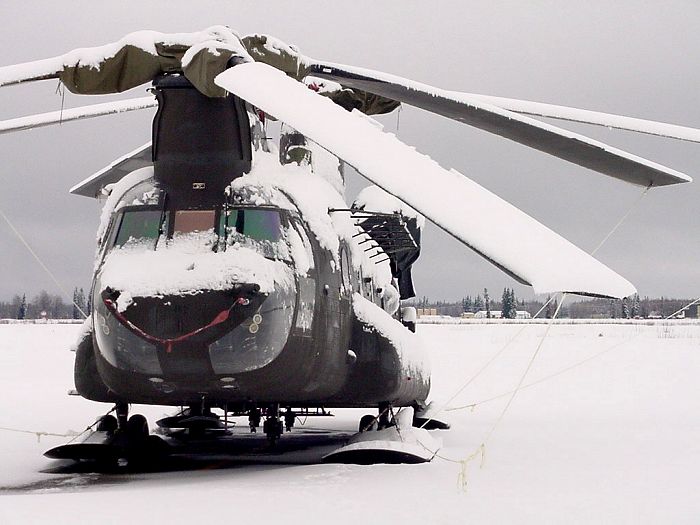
(107, 423)
(137, 428)
(368, 422)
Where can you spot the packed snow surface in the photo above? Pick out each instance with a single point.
(510, 238)
(614, 440)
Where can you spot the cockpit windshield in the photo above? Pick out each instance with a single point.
(138, 227)
(141, 222)
(257, 228)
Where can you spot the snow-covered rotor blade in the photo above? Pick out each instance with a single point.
(480, 113)
(510, 239)
(83, 112)
(596, 118)
(30, 71)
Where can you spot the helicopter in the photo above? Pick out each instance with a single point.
(230, 272)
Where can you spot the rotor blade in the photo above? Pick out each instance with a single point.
(509, 238)
(596, 118)
(84, 112)
(559, 142)
(30, 71)
(116, 171)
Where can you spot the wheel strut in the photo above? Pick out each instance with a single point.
(122, 412)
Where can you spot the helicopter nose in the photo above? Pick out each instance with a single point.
(200, 317)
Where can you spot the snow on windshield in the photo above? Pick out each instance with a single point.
(186, 267)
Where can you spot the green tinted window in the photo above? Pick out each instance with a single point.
(138, 225)
(261, 225)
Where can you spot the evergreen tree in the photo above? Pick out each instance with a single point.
(76, 312)
(625, 309)
(508, 304)
(487, 303)
(514, 304)
(467, 304)
(78, 303)
(22, 310)
(548, 309)
(636, 307)
(478, 304)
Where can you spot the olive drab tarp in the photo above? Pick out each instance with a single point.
(200, 59)
(286, 58)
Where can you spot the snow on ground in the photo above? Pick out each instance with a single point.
(615, 440)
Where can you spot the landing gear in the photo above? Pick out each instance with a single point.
(117, 440)
(387, 438)
(273, 424)
(289, 417)
(368, 422)
(254, 416)
(107, 423)
(137, 429)
(386, 416)
(384, 419)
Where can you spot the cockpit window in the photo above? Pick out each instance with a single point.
(138, 227)
(143, 194)
(261, 225)
(188, 221)
(256, 228)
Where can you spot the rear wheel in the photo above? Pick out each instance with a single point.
(368, 422)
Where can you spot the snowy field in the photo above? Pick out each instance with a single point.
(614, 440)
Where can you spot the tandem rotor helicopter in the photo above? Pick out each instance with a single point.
(230, 272)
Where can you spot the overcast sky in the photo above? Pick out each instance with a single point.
(634, 58)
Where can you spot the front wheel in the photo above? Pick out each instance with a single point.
(137, 428)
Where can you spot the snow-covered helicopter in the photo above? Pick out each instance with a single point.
(231, 274)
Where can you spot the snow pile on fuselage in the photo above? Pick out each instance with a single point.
(313, 196)
(173, 269)
(373, 198)
(116, 191)
(408, 345)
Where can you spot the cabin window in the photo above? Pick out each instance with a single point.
(345, 271)
(138, 227)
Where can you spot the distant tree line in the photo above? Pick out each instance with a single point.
(573, 308)
(45, 305)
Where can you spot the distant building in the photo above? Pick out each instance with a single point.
(421, 312)
(496, 314)
(692, 312)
